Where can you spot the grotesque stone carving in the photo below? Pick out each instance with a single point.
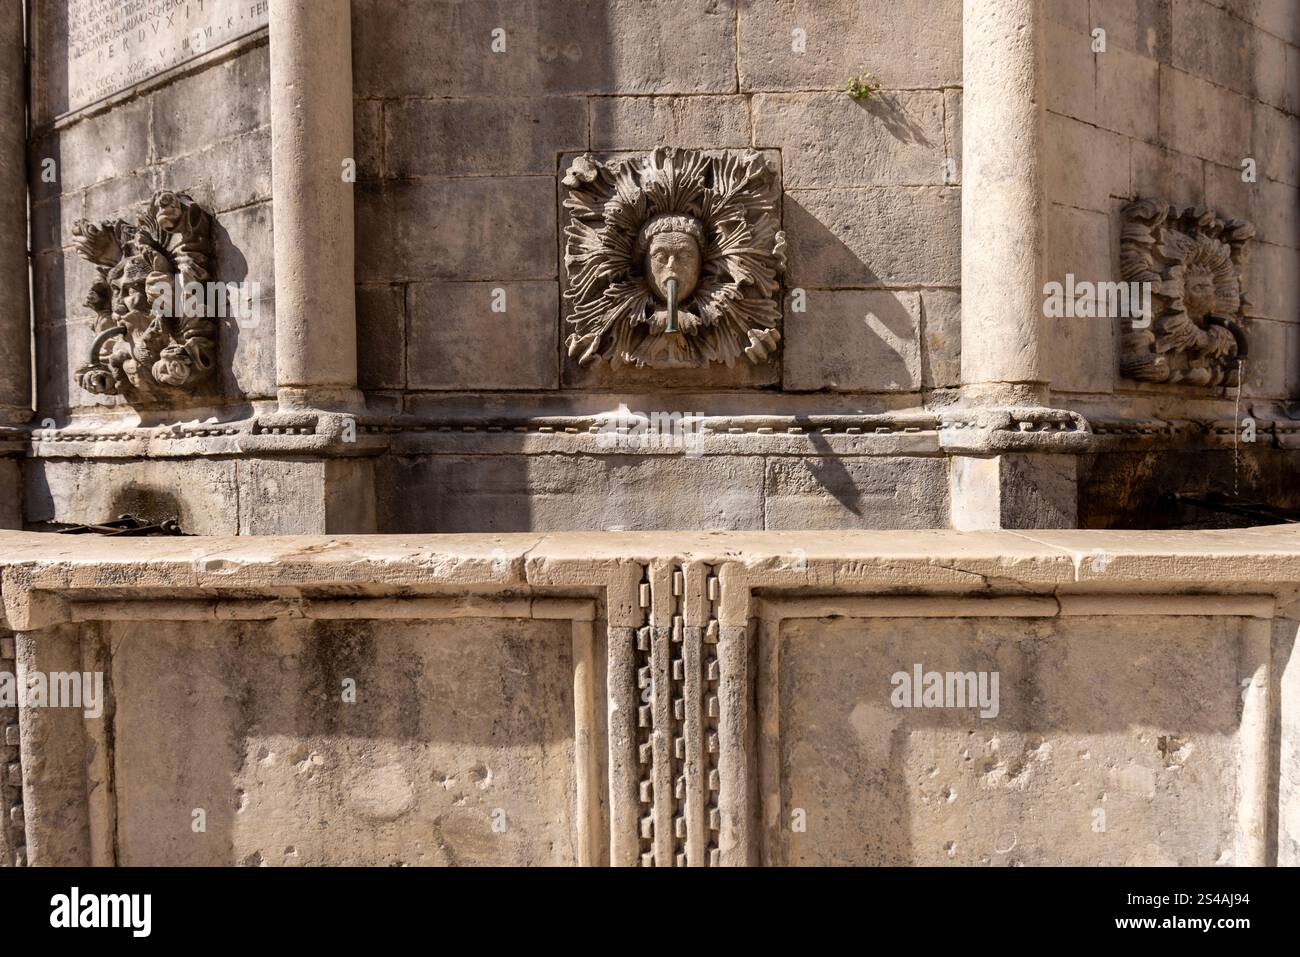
(673, 259)
(155, 339)
(1193, 260)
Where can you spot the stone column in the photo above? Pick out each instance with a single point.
(1002, 203)
(15, 310)
(1012, 462)
(311, 137)
(330, 490)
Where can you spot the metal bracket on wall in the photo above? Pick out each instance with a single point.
(127, 526)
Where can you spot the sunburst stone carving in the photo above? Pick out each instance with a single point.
(673, 259)
(1193, 260)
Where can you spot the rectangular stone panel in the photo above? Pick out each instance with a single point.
(512, 48)
(93, 149)
(1279, 297)
(1128, 94)
(854, 340)
(482, 335)
(87, 50)
(494, 228)
(830, 139)
(1084, 165)
(211, 106)
(1203, 119)
(202, 495)
(563, 492)
(1213, 43)
(855, 492)
(647, 122)
(503, 136)
(381, 324)
(1115, 742)
(819, 44)
(1071, 81)
(941, 342)
(873, 236)
(1156, 171)
(457, 747)
(1079, 245)
(1142, 26)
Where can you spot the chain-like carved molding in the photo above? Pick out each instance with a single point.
(673, 259)
(1193, 259)
(154, 339)
(679, 679)
(12, 837)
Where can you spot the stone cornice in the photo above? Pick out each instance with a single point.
(957, 431)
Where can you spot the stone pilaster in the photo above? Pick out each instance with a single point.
(15, 313)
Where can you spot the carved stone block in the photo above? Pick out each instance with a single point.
(156, 335)
(1193, 259)
(673, 259)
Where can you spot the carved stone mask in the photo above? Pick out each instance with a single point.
(130, 299)
(1198, 294)
(673, 255)
(706, 223)
(149, 346)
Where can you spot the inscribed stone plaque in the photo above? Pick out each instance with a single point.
(92, 49)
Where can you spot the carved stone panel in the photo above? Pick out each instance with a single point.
(92, 49)
(1193, 259)
(673, 260)
(689, 679)
(156, 338)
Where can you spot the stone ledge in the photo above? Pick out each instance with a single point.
(42, 565)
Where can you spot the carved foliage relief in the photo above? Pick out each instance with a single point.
(673, 259)
(154, 340)
(1193, 260)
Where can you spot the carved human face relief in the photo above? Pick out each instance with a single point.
(673, 255)
(148, 344)
(706, 224)
(130, 297)
(1198, 294)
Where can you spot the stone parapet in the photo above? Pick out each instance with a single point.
(663, 698)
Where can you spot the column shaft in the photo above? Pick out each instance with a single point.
(1002, 202)
(311, 138)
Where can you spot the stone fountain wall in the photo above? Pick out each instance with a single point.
(1184, 94)
(869, 201)
(465, 410)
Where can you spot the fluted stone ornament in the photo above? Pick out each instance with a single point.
(673, 259)
(1193, 258)
(155, 334)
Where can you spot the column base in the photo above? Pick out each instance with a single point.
(320, 398)
(333, 496)
(1014, 490)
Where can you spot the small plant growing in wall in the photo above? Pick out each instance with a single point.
(862, 86)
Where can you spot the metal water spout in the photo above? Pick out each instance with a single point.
(102, 338)
(672, 305)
